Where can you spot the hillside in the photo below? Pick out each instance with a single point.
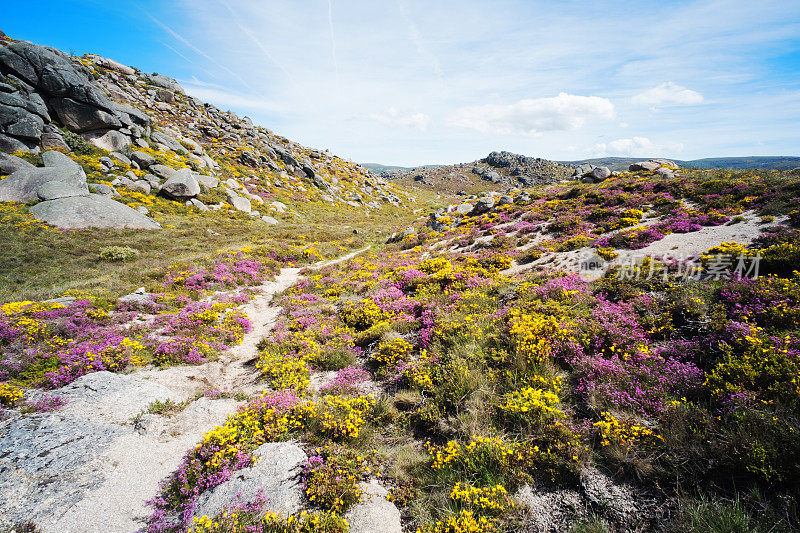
(496, 171)
(206, 327)
(739, 163)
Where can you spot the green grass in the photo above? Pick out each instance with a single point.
(43, 262)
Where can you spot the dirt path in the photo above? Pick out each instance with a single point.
(144, 452)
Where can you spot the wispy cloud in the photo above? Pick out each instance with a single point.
(226, 98)
(635, 147)
(467, 77)
(252, 36)
(333, 37)
(416, 37)
(197, 50)
(393, 117)
(666, 94)
(534, 116)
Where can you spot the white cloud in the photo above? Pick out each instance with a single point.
(533, 116)
(393, 117)
(668, 93)
(635, 147)
(226, 99)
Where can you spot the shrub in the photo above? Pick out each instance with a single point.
(78, 144)
(118, 253)
(332, 482)
(9, 394)
(390, 354)
(362, 316)
(335, 418)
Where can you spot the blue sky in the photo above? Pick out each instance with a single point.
(417, 82)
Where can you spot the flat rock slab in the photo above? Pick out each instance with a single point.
(374, 514)
(112, 397)
(21, 186)
(92, 211)
(43, 464)
(276, 477)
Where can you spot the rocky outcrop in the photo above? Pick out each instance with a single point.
(22, 185)
(41, 84)
(91, 211)
(181, 186)
(275, 476)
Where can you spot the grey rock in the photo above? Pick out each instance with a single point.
(113, 65)
(165, 96)
(11, 163)
(665, 172)
(165, 82)
(107, 162)
(27, 126)
(580, 170)
(522, 199)
(52, 140)
(269, 220)
(52, 190)
(275, 476)
(463, 209)
(239, 203)
(483, 205)
(82, 116)
(164, 172)
(104, 190)
(111, 397)
(600, 173)
(137, 186)
(42, 462)
(181, 185)
(505, 200)
(107, 139)
(143, 159)
(122, 158)
(665, 163)
(155, 183)
(618, 500)
(166, 140)
(374, 513)
(644, 166)
(12, 144)
(93, 211)
(21, 186)
(549, 509)
(136, 297)
(53, 158)
(198, 204)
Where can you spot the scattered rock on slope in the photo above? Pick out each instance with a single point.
(21, 185)
(91, 211)
(374, 512)
(275, 476)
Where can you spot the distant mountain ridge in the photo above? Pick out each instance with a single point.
(777, 162)
(738, 163)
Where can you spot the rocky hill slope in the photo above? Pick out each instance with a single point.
(496, 171)
(152, 138)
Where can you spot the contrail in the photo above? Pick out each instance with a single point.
(177, 52)
(253, 37)
(416, 37)
(180, 38)
(333, 38)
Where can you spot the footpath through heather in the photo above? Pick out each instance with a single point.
(93, 465)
